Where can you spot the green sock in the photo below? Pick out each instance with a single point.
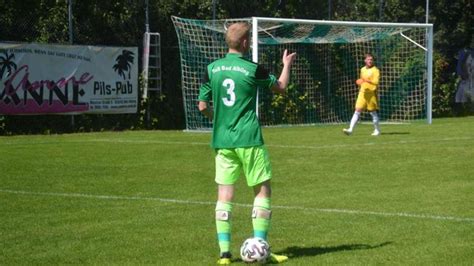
(261, 217)
(223, 225)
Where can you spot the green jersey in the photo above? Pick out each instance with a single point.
(232, 83)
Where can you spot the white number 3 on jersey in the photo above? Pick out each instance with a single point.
(230, 85)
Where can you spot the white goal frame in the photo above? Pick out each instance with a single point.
(321, 89)
(428, 49)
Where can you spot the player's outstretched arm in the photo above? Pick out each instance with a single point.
(280, 85)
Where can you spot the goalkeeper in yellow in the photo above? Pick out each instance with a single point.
(367, 98)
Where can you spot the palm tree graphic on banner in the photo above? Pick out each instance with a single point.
(124, 63)
(6, 64)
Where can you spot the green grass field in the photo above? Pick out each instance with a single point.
(147, 197)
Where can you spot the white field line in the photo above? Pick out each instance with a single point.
(329, 146)
(194, 143)
(291, 208)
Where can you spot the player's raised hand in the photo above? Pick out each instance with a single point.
(288, 58)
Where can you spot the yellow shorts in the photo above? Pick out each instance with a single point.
(367, 100)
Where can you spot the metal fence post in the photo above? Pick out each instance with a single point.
(71, 41)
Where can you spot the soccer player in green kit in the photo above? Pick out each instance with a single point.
(231, 83)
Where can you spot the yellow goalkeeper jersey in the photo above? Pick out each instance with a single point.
(372, 74)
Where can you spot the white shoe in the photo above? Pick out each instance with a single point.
(346, 131)
(376, 133)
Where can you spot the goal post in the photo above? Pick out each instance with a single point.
(330, 55)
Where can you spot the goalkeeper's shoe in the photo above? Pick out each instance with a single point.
(376, 132)
(224, 259)
(276, 259)
(347, 131)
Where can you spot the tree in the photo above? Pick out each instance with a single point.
(124, 62)
(7, 64)
(121, 23)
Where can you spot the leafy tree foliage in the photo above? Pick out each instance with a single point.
(122, 23)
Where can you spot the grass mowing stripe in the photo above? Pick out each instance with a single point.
(343, 211)
(268, 145)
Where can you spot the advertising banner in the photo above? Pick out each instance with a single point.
(67, 79)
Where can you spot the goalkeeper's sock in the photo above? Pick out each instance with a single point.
(354, 120)
(375, 119)
(261, 217)
(223, 225)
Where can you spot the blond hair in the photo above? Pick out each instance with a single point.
(369, 55)
(236, 33)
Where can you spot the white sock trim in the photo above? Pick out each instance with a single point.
(375, 120)
(354, 120)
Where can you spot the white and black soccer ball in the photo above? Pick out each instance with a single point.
(254, 249)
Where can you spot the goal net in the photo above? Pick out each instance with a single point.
(322, 88)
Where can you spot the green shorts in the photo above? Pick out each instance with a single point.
(254, 161)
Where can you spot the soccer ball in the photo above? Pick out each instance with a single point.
(254, 249)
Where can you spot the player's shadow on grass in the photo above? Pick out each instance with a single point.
(295, 251)
(395, 133)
